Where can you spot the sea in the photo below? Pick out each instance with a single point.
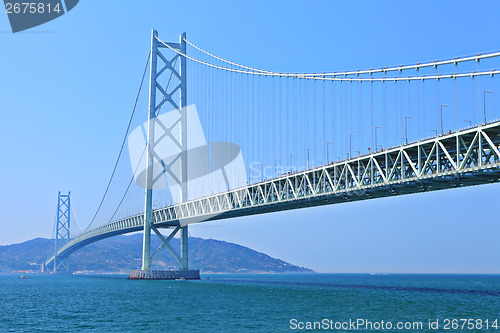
(251, 303)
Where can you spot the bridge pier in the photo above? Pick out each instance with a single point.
(184, 249)
(164, 275)
(184, 273)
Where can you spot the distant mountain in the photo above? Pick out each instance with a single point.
(123, 253)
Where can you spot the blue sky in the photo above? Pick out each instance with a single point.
(67, 88)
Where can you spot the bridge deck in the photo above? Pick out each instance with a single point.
(464, 158)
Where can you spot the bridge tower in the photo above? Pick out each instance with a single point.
(62, 228)
(176, 67)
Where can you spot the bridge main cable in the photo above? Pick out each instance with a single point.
(329, 76)
(122, 145)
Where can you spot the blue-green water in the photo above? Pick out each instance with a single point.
(236, 302)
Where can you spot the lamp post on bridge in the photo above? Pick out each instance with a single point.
(484, 103)
(435, 131)
(327, 159)
(445, 105)
(308, 150)
(406, 128)
(468, 121)
(350, 144)
(376, 145)
(291, 159)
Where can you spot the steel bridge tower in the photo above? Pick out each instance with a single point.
(179, 75)
(62, 228)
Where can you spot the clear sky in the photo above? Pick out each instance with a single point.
(67, 88)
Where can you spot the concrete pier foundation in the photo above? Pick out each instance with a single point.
(164, 275)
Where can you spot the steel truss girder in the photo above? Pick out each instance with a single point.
(464, 158)
(442, 157)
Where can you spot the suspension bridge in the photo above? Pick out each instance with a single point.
(224, 140)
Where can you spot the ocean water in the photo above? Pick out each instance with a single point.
(249, 303)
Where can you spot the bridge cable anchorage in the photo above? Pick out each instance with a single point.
(123, 144)
(400, 68)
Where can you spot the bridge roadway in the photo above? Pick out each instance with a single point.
(463, 158)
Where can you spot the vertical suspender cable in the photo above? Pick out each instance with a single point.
(386, 124)
(333, 124)
(280, 122)
(287, 131)
(493, 96)
(474, 109)
(409, 109)
(324, 124)
(397, 118)
(418, 120)
(342, 120)
(360, 115)
(351, 114)
(455, 86)
(479, 94)
(372, 119)
(437, 100)
(315, 120)
(424, 107)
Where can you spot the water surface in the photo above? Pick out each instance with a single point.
(240, 302)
